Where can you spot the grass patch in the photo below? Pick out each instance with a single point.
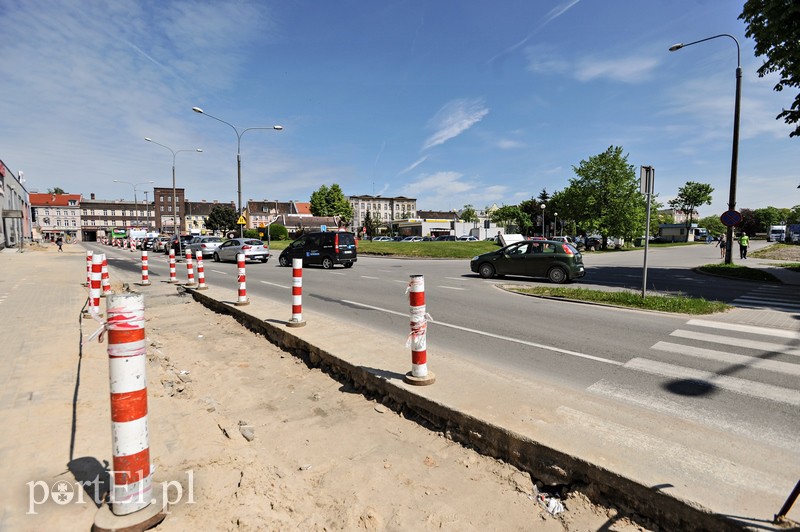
(734, 271)
(438, 250)
(678, 304)
(794, 266)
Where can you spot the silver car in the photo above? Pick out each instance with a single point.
(251, 248)
(206, 244)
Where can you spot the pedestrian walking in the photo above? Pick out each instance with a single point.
(723, 244)
(59, 243)
(744, 241)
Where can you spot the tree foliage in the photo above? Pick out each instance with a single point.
(690, 196)
(468, 214)
(713, 224)
(371, 224)
(56, 190)
(749, 224)
(331, 201)
(509, 215)
(222, 218)
(774, 26)
(604, 198)
(770, 216)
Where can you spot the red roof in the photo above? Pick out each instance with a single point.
(303, 208)
(54, 200)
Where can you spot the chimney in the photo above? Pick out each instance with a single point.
(92, 195)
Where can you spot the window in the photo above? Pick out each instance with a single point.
(73, 203)
(58, 212)
(161, 208)
(105, 212)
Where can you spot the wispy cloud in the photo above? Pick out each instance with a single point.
(414, 165)
(453, 119)
(508, 144)
(631, 69)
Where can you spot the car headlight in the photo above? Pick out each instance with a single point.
(475, 257)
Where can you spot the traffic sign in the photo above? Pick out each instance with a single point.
(323, 228)
(731, 218)
(241, 221)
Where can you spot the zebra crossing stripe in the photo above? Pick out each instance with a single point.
(759, 390)
(766, 303)
(751, 329)
(738, 342)
(729, 358)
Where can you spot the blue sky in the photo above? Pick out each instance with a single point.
(450, 102)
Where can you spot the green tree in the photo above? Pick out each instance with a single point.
(773, 25)
(690, 196)
(793, 216)
(530, 208)
(468, 214)
(331, 201)
(769, 216)
(604, 197)
(371, 224)
(222, 218)
(278, 232)
(713, 224)
(509, 215)
(56, 190)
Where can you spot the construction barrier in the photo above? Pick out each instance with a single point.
(105, 282)
(127, 365)
(242, 300)
(297, 294)
(417, 338)
(190, 269)
(201, 272)
(145, 272)
(89, 254)
(94, 285)
(173, 278)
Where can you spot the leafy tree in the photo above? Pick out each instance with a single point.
(222, 218)
(769, 216)
(56, 190)
(543, 196)
(749, 224)
(773, 24)
(509, 215)
(604, 197)
(371, 224)
(690, 196)
(278, 232)
(793, 217)
(468, 214)
(530, 208)
(713, 224)
(331, 201)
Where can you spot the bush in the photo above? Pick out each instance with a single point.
(278, 232)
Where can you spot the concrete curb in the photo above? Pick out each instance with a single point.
(543, 463)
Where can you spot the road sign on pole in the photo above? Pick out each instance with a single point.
(731, 218)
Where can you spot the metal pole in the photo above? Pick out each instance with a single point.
(788, 504)
(239, 181)
(174, 214)
(734, 158)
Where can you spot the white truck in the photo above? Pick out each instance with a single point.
(777, 233)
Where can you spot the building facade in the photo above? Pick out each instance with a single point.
(56, 215)
(165, 220)
(99, 218)
(384, 210)
(15, 212)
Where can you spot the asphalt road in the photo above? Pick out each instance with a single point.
(733, 378)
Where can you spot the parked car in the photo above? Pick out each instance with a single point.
(557, 261)
(412, 239)
(160, 242)
(178, 244)
(324, 248)
(251, 248)
(564, 239)
(445, 238)
(206, 244)
(467, 238)
(382, 239)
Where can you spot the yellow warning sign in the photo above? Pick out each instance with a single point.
(241, 221)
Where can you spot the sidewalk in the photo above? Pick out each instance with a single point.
(632, 457)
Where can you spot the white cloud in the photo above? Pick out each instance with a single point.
(454, 118)
(508, 144)
(414, 165)
(625, 69)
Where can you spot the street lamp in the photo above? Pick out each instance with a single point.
(135, 201)
(735, 149)
(555, 223)
(174, 154)
(238, 155)
(542, 206)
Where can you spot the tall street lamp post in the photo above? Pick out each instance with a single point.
(135, 200)
(174, 154)
(238, 155)
(543, 207)
(735, 149)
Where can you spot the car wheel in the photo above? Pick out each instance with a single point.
(265, 259)
(348, 264)
(557, 275)
(216, 257)
(283, 261)
(327, 263)
(486, 270)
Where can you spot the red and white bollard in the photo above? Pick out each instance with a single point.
(201, 272)
(93, 306)
(297, 294)
(145, 272)
(242, 300)
(132, 487)
(173, 278)
(89, 254)
(105, 282)
(417, 338)
(189, 270)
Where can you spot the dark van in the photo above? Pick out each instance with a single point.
(324, 248)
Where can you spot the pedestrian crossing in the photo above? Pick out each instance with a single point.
(709, 357)
(781, 298)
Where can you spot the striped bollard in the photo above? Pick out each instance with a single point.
(89, 254)
(297, 294)
(417, 338)
(242, 300)
(132, 490)
(173, 278)
(145, 272)
(105, 282)
(131, 245)
(93, 307)
(201, 272)
(190, 270)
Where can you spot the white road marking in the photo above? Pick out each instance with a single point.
(275, 284)
(730, 358)
(456, 278)
(369, 277)
(739, 342)
(752, 329)
(220, 272)
(497, 336)
(451, 287)
(733, 384)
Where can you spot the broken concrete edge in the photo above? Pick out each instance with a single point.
(543, 463)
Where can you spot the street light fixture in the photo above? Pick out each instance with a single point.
(238, 155)
(555, 223)
(135, 201)
(735, 149)
(174, 154)
(543, 206)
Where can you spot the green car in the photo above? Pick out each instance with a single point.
(558, 261)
